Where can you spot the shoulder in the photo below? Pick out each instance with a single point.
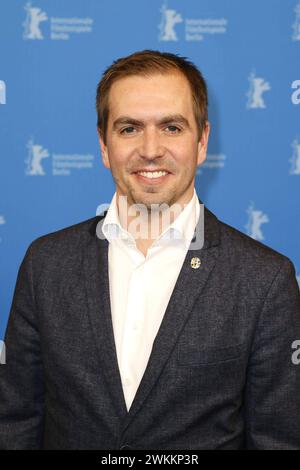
(244, 246)
(64, 243)
(256, 262)
(243, 261)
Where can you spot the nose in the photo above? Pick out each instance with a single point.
(151, 146)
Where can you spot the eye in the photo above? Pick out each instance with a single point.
(128, 130)
(173, 129)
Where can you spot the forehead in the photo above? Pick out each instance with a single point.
(167, 92)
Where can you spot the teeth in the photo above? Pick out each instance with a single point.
(152, 174)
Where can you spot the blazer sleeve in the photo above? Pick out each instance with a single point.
(272, 398)
(21, 378)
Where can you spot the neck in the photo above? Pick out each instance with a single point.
(147, 224)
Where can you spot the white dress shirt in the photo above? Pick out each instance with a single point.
(141, 287)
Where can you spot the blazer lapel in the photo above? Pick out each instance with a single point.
(98, 297)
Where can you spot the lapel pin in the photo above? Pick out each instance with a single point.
(195, 263)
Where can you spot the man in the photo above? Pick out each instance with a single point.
(123, 337)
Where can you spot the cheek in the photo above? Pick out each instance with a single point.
(116, 155)
(186, 155)
(120, 149)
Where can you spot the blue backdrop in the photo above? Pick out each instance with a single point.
(52, 55)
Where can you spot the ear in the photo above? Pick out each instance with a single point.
(202, 145)
(104, 151)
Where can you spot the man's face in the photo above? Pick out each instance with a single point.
(152, 127)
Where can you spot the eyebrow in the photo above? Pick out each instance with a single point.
(178, 118)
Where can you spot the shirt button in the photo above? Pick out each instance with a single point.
(135, 327)
(127, 382)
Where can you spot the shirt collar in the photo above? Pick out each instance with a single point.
(182, 228)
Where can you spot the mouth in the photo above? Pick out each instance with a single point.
(152, 177)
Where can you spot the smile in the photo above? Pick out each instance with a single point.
(152, 176)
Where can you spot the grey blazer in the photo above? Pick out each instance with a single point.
(220, 374)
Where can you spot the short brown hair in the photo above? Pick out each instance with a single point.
(147, 63)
